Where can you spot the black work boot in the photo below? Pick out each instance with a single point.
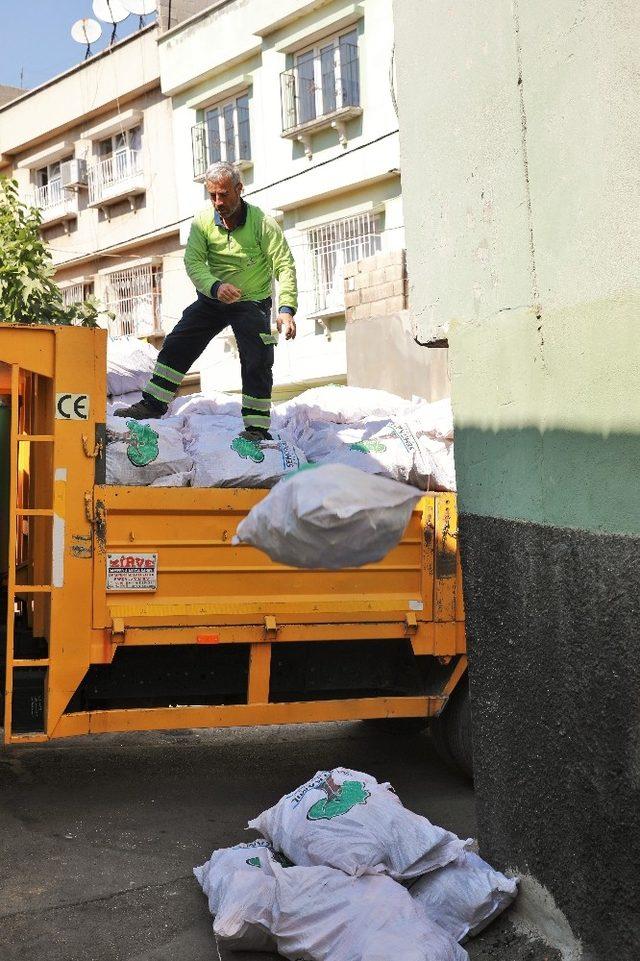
(144, 409)
(256, 434)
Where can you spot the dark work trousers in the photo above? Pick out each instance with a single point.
(250, 322)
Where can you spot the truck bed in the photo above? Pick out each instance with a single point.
(130, 608)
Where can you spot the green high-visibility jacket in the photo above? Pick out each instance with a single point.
(248, 256)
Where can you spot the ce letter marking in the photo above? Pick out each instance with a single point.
(72, 406)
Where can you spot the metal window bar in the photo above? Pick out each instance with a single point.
(76, 293)
(134, 296)
(333, 245)
(122, 166)
(319, 85)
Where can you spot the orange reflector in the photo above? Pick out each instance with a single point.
(208, 638)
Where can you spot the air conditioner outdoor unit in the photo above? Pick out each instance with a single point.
(73, 173)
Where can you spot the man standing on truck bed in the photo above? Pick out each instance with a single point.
(233, 253)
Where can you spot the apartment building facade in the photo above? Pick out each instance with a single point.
(92, 148)
(300, 96)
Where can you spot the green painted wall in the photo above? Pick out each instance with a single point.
(548, 415)
(520, 134)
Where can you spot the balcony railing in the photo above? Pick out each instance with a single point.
(334, 88)
(115, 177)
(134, 296)
(55, 202)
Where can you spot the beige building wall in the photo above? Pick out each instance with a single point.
(113, 233)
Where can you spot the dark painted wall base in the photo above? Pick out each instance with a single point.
(553, 627)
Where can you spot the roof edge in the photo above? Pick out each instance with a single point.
(79, 66)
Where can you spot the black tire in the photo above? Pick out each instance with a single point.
(439, 739)
(459, 728)
(396, 725)
(451, 731)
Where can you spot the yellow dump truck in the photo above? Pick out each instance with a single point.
(129, 608)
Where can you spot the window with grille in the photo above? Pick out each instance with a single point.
(77, 293)
(224, 134)
(333, 245)
(134, 296)
(324, 78)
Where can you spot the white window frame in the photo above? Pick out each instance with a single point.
(50, 185)
(317, 48)
(219, 107)
(116, 147)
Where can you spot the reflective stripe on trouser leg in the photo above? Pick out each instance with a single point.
(256, 420)
(256, 363)
(256, 411)
(200, 322)
(260, 404)
(163, 372)
(159, 393)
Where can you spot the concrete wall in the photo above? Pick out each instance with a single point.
(173, 12)
(382, 353)
(381, 347)
(519, 147)
(247, 44)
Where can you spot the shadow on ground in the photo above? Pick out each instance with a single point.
(100, 835)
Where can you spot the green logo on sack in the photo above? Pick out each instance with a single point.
(249, 449)
(369, 447)
(143, 444)
(254, 862)
(339, 800)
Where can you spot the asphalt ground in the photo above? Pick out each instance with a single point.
(100, 835)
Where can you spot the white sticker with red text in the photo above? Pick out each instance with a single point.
(132, 572)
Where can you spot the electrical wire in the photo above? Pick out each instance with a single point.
(104, 251)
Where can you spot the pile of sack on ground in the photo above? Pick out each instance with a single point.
(196, 443)
(344, 872)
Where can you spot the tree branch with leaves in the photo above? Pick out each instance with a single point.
(28, 292)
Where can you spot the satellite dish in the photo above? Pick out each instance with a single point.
(86, 31)
(110, 11)
(141, 7)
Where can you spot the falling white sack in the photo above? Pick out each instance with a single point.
(331, 516)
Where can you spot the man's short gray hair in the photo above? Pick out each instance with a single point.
(221, 170)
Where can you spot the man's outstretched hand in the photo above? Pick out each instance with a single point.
(228, 294)
(286, 323)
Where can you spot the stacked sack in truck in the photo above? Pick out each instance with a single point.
(346, 873)
(222, 458)
(130, 364)
(373, 431)
(376, 432)
(148, 453)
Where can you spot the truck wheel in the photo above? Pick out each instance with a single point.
(438, 735)
(451, 731)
